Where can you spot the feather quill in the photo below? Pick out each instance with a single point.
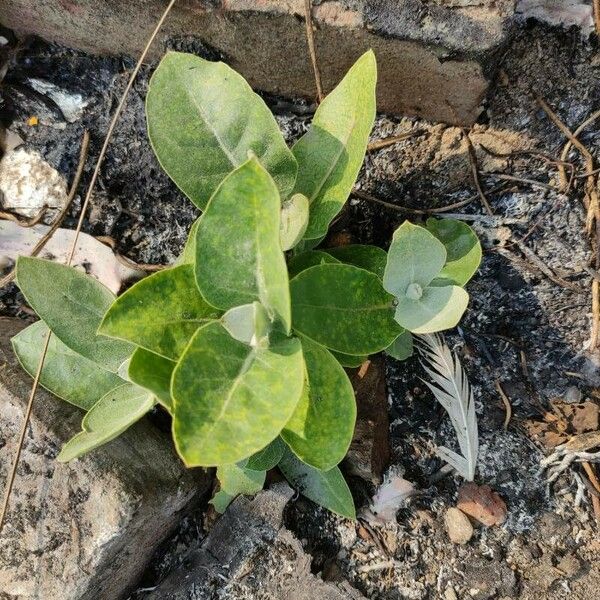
(451, 389)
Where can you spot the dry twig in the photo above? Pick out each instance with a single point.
(8, 216)
(475, 173)
(310, 38)
(394, 139)
(507, 404)
(13, 470)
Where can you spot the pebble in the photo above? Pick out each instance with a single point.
(458, 526)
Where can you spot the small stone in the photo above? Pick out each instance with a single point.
(482, 503)
(458, 526)
(569, 565)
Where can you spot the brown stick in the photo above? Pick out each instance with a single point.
(111, 127)
(393, 139)
(475, 173)
(310, 38)
(8, 216)
(597, 16)
(506, 402)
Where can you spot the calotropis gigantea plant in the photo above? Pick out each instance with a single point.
(245, 339)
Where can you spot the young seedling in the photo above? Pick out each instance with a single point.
(244, 340)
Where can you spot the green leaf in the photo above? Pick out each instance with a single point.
(402, 347)
(366, 257)
(66, 374)
(294, 219)
(72, 304)
(462, 246)
(321, 428)
(239, 256)
(438, 308)
(331, 153)
(234, 480)
(267, 458)
(188, 254)
(115, 412)
(343, 308)
(203, 118)
(248, 323)
(153, 373)
(230, 399)
(160, 313)
(327, 488)
(348, 360)
(307, 259)
(415, 258)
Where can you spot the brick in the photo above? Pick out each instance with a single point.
(87, 529)
(436, 58)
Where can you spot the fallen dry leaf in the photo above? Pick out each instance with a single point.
(482, 503)
(391, 495)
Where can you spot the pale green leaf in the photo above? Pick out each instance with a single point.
(160, 313)
(248, 323)
(153, 373)
(415, 258)
(188, 254)
(462, 246)
(438, 308)
(234, 480)
(321, 428)
(294, 220)
(349, 360)
(72, 304)
(327, 488)
(239, 256)
(343, 308)
(268, 457)
(366, 257)
(203, 119)
(66, 374)
(307, 259)
(402, 347)
(331, 153)
(115, 412)
(230, 399)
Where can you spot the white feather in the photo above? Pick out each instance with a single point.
(452, 390)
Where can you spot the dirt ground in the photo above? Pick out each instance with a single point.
(528, 325)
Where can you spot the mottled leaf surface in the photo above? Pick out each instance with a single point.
(153, 373)
(160, 313)
(231, 399)
(294, 220)
(115, 412)
(238, 252)
(72, 304)
(331, 153)
(203, 118)
(343, 308)
(307, 259)
(366, 257)
(66, 374)
(327, 488)
(321, 428)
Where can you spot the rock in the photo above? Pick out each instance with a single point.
(482, 503)
(248, 555)
(28, 182)
(369, 452)
(83, 530)
(458, 526)
(435, 58)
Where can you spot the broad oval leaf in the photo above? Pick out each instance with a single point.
(294, 220)
(153, 373)
(321, 428)
(238, 253)
(234, 480)
(402, 347)
(462, 246)
(203, 118)
(415, 257)
(438, 308)
(307, 259)
(115, 412)
(230, 399)
(72, 304)
(331, 153)
(327, 488)
(268, 457)
(343, 308)
(66, 374)
(160, 313)
(366, 257)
